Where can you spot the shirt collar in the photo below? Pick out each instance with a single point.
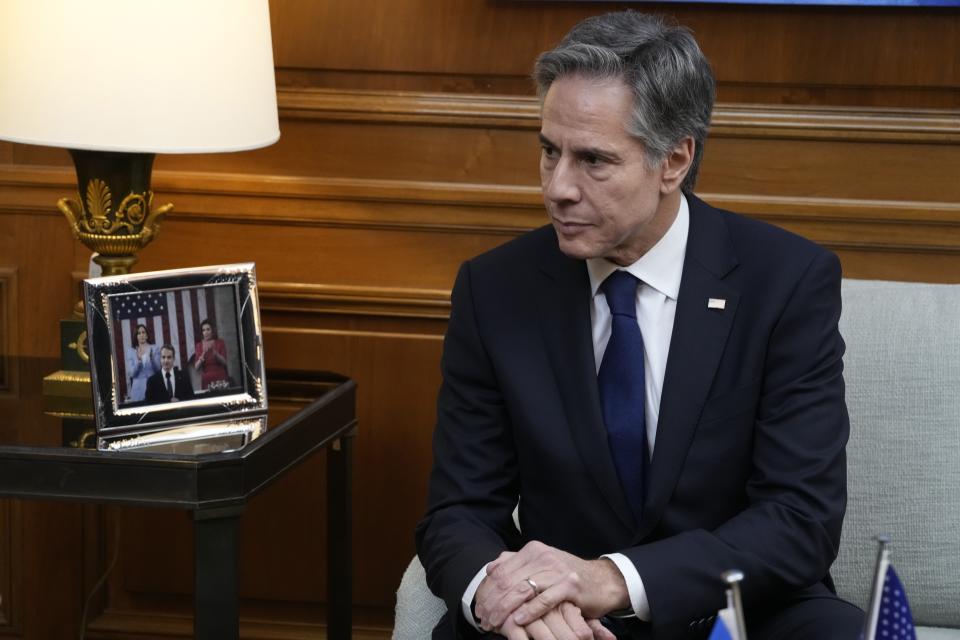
(660, 267)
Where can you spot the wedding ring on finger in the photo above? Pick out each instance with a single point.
(533, 585)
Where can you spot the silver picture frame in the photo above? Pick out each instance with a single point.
(176, 357)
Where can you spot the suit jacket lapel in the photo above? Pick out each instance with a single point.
(696, 346)
(564, 310)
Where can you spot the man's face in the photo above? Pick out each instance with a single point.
(602, 198)
(166, 359)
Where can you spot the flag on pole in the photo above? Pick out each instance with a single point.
(725, 628)
(730, 623)
(889, 616)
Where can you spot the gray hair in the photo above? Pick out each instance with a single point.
(672, 84)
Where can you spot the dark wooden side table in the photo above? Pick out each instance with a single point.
(215, 488)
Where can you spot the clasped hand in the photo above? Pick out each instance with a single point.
(543, 593)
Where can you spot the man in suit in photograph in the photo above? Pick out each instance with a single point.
(170, 384)
(657, 383)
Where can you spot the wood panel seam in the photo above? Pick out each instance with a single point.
(928, 126)
(339, 300)
(352, 333)
(472, 195)
(9, 341)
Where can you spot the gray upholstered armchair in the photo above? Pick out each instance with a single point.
(902, 370)
(903, 394)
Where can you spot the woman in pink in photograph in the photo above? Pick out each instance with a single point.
(210, 357)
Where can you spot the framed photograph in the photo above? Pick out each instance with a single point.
(173, 349)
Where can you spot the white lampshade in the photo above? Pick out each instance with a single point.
(158, 76)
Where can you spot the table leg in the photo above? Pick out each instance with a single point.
(216, 605)
(339, 536)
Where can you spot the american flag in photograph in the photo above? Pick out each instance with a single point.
(171, 317)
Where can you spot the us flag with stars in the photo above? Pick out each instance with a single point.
(142, 305)
(894, 620)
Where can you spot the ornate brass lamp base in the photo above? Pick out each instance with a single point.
(114, 216)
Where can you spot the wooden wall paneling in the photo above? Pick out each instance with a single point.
(10, 520)
(504, 38)
(44, 156)
(917, 241)
(98, 559)
(11, 569)
(459, 36)
(52, 569)
(852, 96)
(869, 56)
(384, 151)
(813, 168)
(856, 48)
(900, 225)
(874, 264)
(765, 93)
(397, 377)
(437, 109)
(432, 130)
(37, 246)
(837, 124)
(36, 538)
(347, 256)
(361, 204)
(452, 83)
(9, 330)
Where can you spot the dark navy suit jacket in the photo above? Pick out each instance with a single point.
(157, 387)
(748, 469)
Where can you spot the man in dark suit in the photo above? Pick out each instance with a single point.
(170, 384)
(655, 443)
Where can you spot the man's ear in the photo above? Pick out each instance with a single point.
(677, 164)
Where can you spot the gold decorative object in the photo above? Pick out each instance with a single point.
(113, 222)
(80, 346)
(66, 394)
(114, 217)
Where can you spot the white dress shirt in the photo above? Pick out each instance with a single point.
(659, 271)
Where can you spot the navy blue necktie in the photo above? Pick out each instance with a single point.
(621, 384)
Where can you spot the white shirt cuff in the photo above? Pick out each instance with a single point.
(635, 588)
(467, 602)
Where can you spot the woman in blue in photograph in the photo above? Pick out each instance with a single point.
(143, 360)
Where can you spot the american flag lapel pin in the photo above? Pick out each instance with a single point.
(716, 303)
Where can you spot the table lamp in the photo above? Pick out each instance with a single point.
(116, 82)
